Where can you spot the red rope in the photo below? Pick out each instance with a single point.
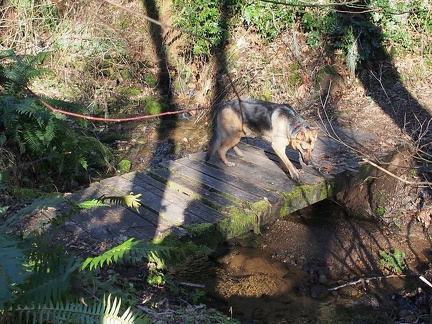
(110, 120)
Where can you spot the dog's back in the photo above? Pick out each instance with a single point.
(237, 118)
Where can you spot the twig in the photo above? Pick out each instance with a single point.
(363, 280)
(365, 159)
(191, 284)
(421, 183)
(427, 282)
(310, 4)
(336, 136)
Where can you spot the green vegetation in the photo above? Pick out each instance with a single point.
(361, 31)
(124, 166)
(35, 138)
(393, 261)
(380, 211)
(153, 107)
(204, 20)
(269, 19)
(243, 219)
(37, 278)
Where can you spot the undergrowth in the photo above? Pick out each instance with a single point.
(35, 139)
(40, 280)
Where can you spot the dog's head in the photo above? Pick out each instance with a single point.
(304, 142)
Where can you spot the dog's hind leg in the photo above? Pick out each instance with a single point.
(230, 142)
(238, 151)
(214, 145)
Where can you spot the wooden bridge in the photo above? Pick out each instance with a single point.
(179, 196)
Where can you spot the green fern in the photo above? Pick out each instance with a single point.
(130, 250)
(20, 70)
(36, 134)
(50, 277)
(133, 251)
(12, 272)
(106, 311)
(130, 200)
(35, 279)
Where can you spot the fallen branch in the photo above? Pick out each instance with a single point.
(415, 183)
(190, 284)
(427, 282)
(364, 280)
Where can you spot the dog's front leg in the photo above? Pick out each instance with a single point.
(279, 147)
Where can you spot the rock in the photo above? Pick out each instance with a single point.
(322, 279)
(318, 291)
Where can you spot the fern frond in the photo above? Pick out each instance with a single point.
(106, 311)
(91, 204)
(50, 279)
(8, 111)
(130, 250)
(32, 141)
(40, 134)
(110, 256)
(12, 271)
(24, 107)
(131, 200)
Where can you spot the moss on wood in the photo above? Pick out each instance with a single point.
(245, 218)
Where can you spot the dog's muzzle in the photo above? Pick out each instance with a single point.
(308, 161)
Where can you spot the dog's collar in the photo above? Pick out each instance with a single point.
(296, 128)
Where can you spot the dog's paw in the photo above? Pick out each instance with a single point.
(230, 164)
(295, 175)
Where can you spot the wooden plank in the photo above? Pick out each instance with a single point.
(104, 221)
(145, 222)
(160, 203)
(209, 182)
(109, 223)
(264, 172)
(161, 226)
(267, 150)
(200, 193)
(128, 216)
(186, 202)
(270, 179)
(242, 184)
(256, 156)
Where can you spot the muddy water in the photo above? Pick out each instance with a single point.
(285, 278)
(249, 284)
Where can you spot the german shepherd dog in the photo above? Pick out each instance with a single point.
(279, 124)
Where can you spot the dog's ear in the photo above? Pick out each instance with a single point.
(301, 135)
(306, 134)
(314, 131)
